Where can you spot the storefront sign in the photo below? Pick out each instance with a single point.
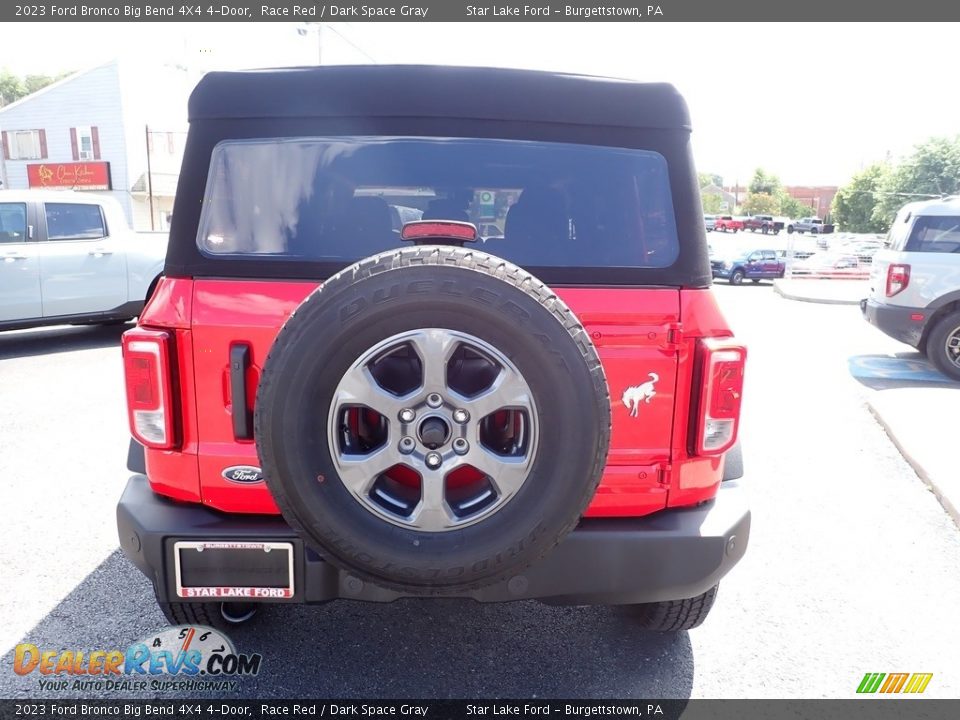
(76, 175)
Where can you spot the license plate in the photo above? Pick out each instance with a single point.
(226, 570)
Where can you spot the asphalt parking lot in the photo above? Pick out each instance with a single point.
(851, 569)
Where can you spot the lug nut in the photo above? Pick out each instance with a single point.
(460, 446)
(407, 445)
(434, 400)
(433, 460)
(407, 415)
(460, 415)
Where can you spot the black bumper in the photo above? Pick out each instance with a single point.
(670, 555)
(895, 321)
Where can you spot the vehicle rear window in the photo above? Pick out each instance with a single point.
(935, 234)
(74, 221)
(547, 204)
(13, 223)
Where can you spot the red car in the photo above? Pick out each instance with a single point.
(326, 407)
(726, 223)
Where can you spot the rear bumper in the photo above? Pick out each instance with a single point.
(670, 555)
(895, 321)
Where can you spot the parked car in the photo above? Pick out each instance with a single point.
(723, 223)
(812, 225)
(411, 417)
(830, 265)
(764, 223)
(710, 222)
(70, 257)
(863, 249)
(755, 265)
(915, 282)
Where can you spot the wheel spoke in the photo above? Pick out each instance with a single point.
(507, 473)
(358, 472)
(508, 391)
(434, 346)
(359, 387)
(432, 513)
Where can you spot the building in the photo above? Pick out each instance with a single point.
(820, 198)
(727, 200)
(116, 129)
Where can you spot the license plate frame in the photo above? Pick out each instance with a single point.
(246, 592)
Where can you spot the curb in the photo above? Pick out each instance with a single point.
(822, 301)
(918, 468)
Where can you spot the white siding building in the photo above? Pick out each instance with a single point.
(101, 115)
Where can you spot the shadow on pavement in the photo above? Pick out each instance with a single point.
(408, 649)
(46, 341)
(901, 370)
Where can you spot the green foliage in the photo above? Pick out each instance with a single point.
(12, 87)
(932, 170)
(759, 203)
(764, 183)
(792, 208)
(855, 203)
(711, 203)
(709, 178)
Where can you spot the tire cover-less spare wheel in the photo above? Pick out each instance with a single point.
(433, 419)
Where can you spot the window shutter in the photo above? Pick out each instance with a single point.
(95, 136)
(6, 146)
(43, 144)
(73, 144)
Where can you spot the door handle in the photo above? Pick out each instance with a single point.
(11, 257)
(100, 252)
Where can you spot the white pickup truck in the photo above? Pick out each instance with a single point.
(70, 257)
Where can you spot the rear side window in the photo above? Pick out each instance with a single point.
(74, 221)
(13, 223)
(547, 204)
(935, 234)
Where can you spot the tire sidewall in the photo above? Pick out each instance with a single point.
(936, 350)
(293, 408)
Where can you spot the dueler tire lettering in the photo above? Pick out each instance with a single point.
(463, 291)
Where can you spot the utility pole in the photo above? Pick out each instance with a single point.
(149, 176)
(318, 29)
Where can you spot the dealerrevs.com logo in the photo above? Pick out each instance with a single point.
(181, 658)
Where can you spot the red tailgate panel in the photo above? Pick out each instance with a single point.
(631, 328)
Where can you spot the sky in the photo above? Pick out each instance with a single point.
(813, 103)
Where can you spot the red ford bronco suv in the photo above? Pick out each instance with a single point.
(326, 405)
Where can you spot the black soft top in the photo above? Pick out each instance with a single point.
(446, 102)
(424, 91)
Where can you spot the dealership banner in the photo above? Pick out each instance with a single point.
(532, 709)
(474, 10)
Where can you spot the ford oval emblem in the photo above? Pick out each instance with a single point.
(243, 474)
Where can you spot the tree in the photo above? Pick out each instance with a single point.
(765, 183)
(759, 203)
(709, 179)
(855, 203)
(12, 88)
(793, 208)
(932, 170)
(711, 203)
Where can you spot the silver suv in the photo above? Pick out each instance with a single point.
(915, 282)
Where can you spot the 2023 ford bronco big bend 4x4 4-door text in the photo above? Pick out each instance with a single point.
(332, 404)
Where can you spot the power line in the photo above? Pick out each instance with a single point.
(352, 44)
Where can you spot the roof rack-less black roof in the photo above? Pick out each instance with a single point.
(437, 91)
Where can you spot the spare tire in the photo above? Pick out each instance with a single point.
(432, 419)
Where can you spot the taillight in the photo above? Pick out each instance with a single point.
(721, 395)
(146, 364)
(898, 277)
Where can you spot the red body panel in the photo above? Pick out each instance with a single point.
(637, 331)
